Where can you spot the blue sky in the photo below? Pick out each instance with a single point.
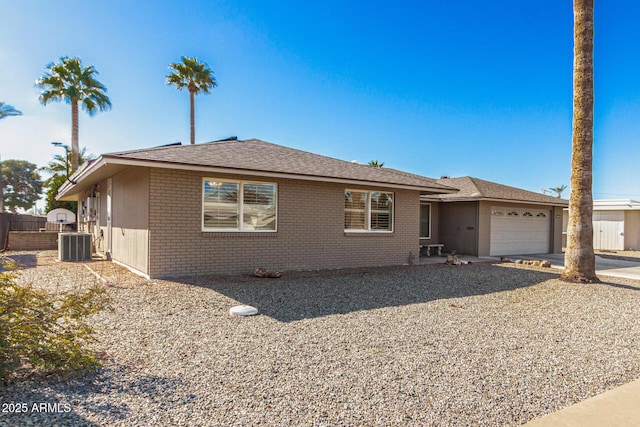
(430, 87)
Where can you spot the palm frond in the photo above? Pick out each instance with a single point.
(7, 110)
(191, 73)
(67, 80)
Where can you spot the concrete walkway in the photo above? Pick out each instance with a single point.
(619, 407)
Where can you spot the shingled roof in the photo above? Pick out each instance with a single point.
(257, 158)
(472, 189)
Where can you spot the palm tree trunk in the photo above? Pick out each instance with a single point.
(75, 146)
(192, 103)
(579, 257)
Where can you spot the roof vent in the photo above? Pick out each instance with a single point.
(445, 177)
(171, 144)
(231, 138)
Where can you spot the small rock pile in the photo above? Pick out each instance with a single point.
(263, 273)
(535, 263)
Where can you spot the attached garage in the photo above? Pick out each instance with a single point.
(520, 231)
(489, 219)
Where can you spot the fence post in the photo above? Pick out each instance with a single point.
(4, 230)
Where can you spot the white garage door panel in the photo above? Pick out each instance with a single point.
(520, 231)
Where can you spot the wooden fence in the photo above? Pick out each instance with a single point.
(18, 222)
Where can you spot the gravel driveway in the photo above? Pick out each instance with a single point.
(481, 344)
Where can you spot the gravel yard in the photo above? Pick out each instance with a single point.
(481, 344)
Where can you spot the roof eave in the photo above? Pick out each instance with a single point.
(616, 208)
(561, 202)
(69, 189)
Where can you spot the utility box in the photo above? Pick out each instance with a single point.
(74, 246)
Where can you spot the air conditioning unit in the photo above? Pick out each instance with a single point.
(74, 246)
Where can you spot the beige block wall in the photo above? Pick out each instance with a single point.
(484, 228)
(632, 230)
(32, 240)
(310, 231)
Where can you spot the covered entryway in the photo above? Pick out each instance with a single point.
(608, 230)
(520, 231)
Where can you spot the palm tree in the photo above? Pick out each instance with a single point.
(580, 258)
(376, 164)
(7, 110)
(559, 190)
(196, 77)
(58, 170)
(67, 80)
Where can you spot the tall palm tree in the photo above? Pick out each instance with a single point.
(67, 80)
(579, 258)
(376, 164)
(58, 170)
(196, 77)
(7, 110)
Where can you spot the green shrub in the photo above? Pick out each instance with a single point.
(41, 331)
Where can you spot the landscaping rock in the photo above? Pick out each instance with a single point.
(486, 345)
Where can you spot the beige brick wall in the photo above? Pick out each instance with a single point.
(484, 228)
(310, 230)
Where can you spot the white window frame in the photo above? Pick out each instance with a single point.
(240, 229)
(367, 214)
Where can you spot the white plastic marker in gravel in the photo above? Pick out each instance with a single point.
(243, 310)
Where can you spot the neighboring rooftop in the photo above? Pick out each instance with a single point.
(472, 189)
(616, 205)
(252, 157)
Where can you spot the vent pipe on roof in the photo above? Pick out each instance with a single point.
(444, 177)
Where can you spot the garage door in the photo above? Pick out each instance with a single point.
(608, 230)
(520, 231)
